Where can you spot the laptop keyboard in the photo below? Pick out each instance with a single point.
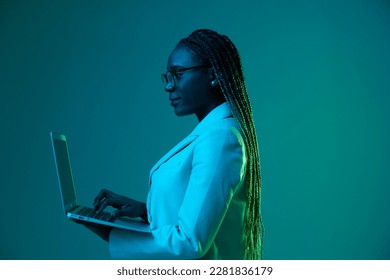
(91, 213)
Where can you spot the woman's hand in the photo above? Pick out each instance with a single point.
(125, 206)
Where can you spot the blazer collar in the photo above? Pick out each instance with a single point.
(180, 146)
(220, 112)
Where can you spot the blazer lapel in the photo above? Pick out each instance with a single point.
(218, 113)
(180, 146)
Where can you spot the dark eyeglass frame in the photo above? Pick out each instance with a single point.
(170, 76)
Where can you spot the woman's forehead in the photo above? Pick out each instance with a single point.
(183, 56)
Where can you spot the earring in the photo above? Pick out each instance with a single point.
(213, 83)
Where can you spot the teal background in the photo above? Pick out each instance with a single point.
(318, 76)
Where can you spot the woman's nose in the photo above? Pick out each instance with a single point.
(169, 87)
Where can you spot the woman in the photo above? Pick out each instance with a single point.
(204, 196)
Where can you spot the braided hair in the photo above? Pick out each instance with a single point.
(218, 51)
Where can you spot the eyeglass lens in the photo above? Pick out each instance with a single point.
(168, 79)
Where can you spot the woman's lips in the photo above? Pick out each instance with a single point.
(175, 101)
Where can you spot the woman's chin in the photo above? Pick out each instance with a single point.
(179, 112)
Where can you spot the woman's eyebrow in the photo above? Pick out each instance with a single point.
(175, 66)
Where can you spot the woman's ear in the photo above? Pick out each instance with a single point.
(213, 78)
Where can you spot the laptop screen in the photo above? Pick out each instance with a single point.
(64, 170)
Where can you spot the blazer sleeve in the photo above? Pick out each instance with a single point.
(218, 169)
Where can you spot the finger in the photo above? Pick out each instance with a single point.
(99, 197)
(103, 194)
(132, 211)
(105, 202)
(128, 211)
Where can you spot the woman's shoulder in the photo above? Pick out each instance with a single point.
(225, 125)
(225, 129)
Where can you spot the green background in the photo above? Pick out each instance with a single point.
(318, 74)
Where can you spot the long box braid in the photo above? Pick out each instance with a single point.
(219, 51)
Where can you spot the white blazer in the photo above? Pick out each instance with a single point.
(197, 198)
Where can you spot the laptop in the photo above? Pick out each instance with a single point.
(68, 193)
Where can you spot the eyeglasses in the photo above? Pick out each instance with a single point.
(169, 78)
